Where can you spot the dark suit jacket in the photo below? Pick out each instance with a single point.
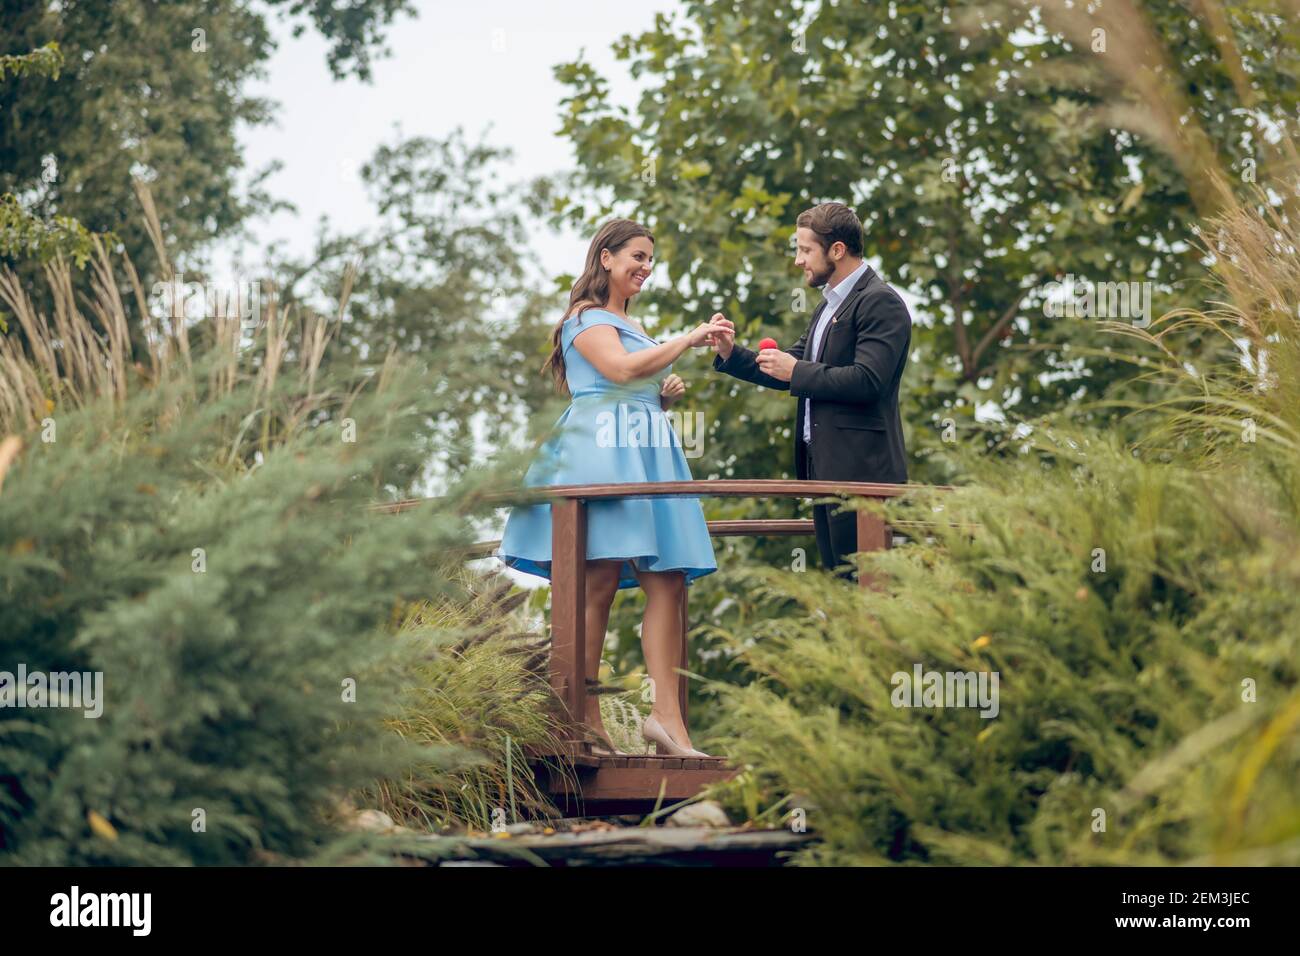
(857, 432)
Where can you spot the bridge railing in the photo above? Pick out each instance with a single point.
(569, 549)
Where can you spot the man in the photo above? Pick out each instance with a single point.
(844, 370)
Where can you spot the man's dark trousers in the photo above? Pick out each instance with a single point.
(837, 534)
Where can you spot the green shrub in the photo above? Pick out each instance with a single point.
(478, 695)
(1141, 606)
(223, 688)
(1120, 690)
(200, 534)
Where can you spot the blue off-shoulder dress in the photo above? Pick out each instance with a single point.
(613, 433)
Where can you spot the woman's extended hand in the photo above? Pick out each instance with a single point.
(673, 389)
(702, 335)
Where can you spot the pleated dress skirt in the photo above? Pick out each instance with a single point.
(655, 534)
(613, 434)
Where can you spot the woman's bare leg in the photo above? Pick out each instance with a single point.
(602, 587)
(661, 642)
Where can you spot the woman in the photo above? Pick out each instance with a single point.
(616, 373)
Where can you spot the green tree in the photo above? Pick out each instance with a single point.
(47, 61)
(155, 90)
(447, 270)
(23, 235)
(977, 144)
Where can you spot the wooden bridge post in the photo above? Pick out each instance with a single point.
(569, 607)
(873, 535)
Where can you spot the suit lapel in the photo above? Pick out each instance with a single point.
(812, 326)
(858, 288)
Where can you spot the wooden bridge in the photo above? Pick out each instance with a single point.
(575, 778)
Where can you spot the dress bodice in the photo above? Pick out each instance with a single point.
(583, 378)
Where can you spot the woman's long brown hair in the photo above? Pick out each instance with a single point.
(591, 290)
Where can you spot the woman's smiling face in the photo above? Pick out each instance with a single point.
(629, 267)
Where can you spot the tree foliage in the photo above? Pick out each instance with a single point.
(198, 532)
(155, 90)
(448, 270)
(981, 145)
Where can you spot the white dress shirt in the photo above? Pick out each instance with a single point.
(834, 299)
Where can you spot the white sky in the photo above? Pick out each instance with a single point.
(483, 66)
(474, 65)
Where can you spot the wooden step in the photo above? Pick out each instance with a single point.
(629, 784)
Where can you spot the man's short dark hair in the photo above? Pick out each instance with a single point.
(833, 222)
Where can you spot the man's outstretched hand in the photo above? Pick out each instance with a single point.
(774, 362)
(778, 364)
(725, 339)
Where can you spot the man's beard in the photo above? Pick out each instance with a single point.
(819, 279)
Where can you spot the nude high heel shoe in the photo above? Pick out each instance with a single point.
(653, 731)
